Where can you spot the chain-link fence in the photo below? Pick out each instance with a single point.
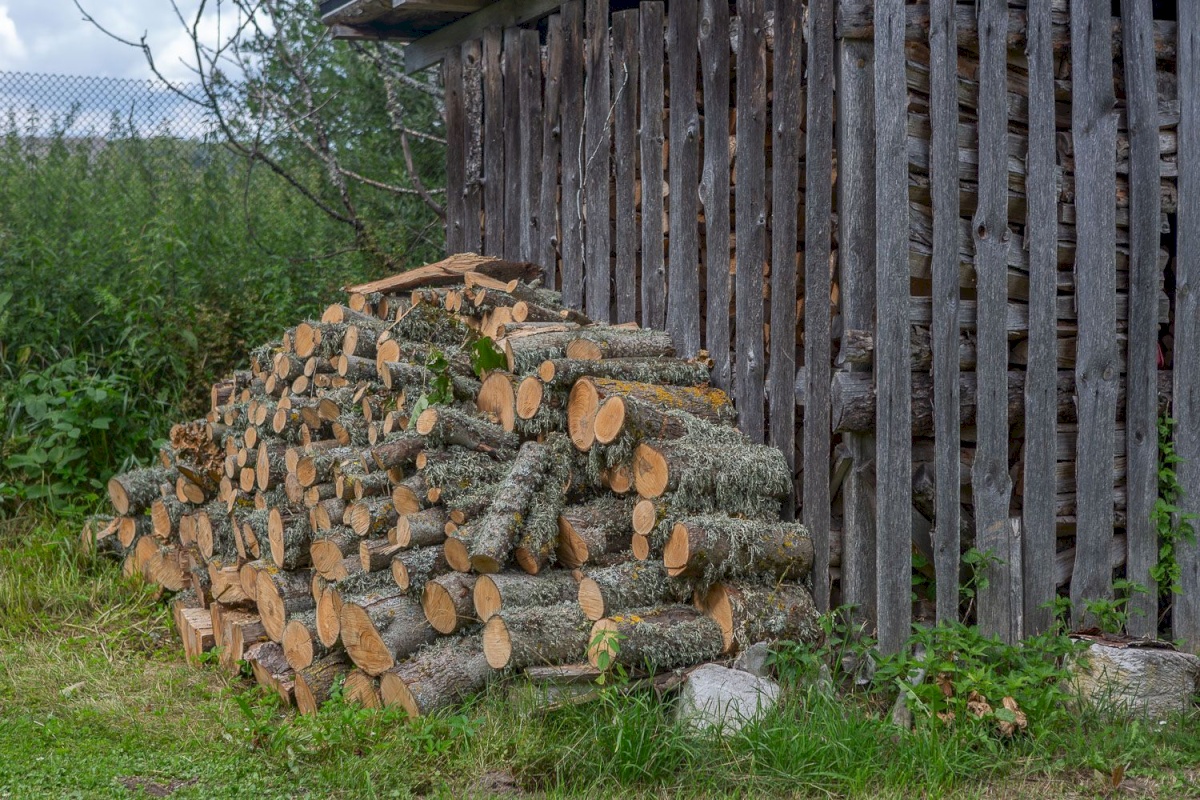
(36, 105)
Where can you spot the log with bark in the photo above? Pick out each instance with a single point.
(714, 547)
(630, 584)
(509, 590)
(438, 676)
(447, 601)
(495, 535)
(654, 638)
(383, 630)
(535, 635)
(749, 612)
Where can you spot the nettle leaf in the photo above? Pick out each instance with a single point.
(485, 356)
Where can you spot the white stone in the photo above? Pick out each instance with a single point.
(754, 659)
(719, 697)
(1137, 681)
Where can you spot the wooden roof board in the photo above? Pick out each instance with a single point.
(397, 19)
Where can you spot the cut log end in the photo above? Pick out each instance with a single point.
(650, 471)
(298, 646)
(426, 421)
(677, 550)
(591, 600)
(530, 395)
(118, 496)
(486, 598)
(645, 517)
(363, 643)
(456, 555)
(640, 546)
(496, 396)
(395, 692)
(610, 420)
(581, 414)
(497, 643)
(584, 350)
(485, 564)
(546, 371)
(602, 644)
(439, 608)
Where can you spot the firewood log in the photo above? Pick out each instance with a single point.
(372, 516)
(377, 554)
(315, 683)
(438, 676)
(536, 635)
(495, 535)
(271, 670)
(291, 539)
(631, 584)
(165, 513)
(361, 689)
(280, 594)
(497, 395)
(447, 601)
(592, 529)
(301, 646)
(509, 590)
(99, 534)
(412, 569)
(379, 632)
(239, 631)
(329, 547)
(712, 461)
(599, 341)
(715, 547)
(443, 425)
(425, 528)
(564, 372)
(659, 637)
(749, 613)
(132, 492)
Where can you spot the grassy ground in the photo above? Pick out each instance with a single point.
(95, 701)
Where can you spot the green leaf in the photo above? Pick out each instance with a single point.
(485, 356)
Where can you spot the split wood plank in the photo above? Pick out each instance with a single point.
(571, 227)
(1094, 130)
(493, 143)
(597, 136)
(893, 413)
(472, 188)
(456, 153)
(714, 187)
(1041, 231)
(654, 276)
(750, 217)
(547, 225)
(683, 246)
(625, 76)
(530, 142)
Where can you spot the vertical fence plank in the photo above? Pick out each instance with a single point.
(990, 481)
(571, 225)
(787, 107)
(493, 144)
(683, 246)
(944, 177)
(750, 216)
(625, 91)
(1141, 410)
(546, 253)
(818, 207)
(1094, 129)
(654, 276)
(473, 144)
(1041, 375)
(456, 152)
(893, 420)
(597, 144)
(1185, 616)
(714, 186)
(531, 141)
(514, 147)
(855, 99)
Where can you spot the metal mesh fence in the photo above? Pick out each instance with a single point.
(78, 107)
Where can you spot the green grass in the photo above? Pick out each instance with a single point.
(95, 698)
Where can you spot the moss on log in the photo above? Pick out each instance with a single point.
(563, 372)
(601, 341)
(592, 529)
(631, 584)
(133, 491)
(495, 535)
(445, 425)
(749, 612)
(509, 590)
(290, 538)
(714, 547)
(412, 569)
(536, 635)
(659, 637)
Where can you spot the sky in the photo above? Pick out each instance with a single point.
(52, 36)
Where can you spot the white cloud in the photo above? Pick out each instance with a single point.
(12, 49)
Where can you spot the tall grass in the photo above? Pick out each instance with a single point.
(133, 272)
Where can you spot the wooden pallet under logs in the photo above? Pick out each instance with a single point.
(365, 505)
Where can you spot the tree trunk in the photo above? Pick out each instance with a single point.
(725, 469)
(438, 676)
(749, 613)
(593, 529)
(446, 601)
(715, 547)
(496, 534)
(660, 637)
(536, 635)
(509, 590)
(631, 584)
(378, 633)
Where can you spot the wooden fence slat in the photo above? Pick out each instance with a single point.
(1185, 614)
(990, 482)
(893, 427)
(597, 137)
(456, 151)
(571, 219)
(625, 77)
(1094, 130)
(750, 216)
(654, 276)
(547, 224)
(531, 141)
(818, 208)
(944, 176)
(1141, 410)
(855, 99)
(493, 144)
(514, 147)
(472, 186)
(683, 246)
(1041, 234)
(714, 187)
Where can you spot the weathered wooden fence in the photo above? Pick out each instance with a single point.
(965, 266)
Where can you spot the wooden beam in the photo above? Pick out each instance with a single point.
(503, 14)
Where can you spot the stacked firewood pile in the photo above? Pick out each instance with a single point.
(451, 476)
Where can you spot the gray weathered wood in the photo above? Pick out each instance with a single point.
(456, 152)
(548, 198)
(625, 100)
(531, 142)
(501, 14)
(714, 187)
(893, 479)
(571, 215)
(514, 147)
(493, 143)
(818, 209)
(1094, 129)
(1041, 231)
(1185, 614)
(472, 189)
(597, 137)
(1141, 410)
(856, 258)
(990, 481)
(943, 175)
(683, 246)
(750, 213)
(654, 275)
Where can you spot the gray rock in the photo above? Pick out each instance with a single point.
(1136, 681)
(754, 660)
(723, 698)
